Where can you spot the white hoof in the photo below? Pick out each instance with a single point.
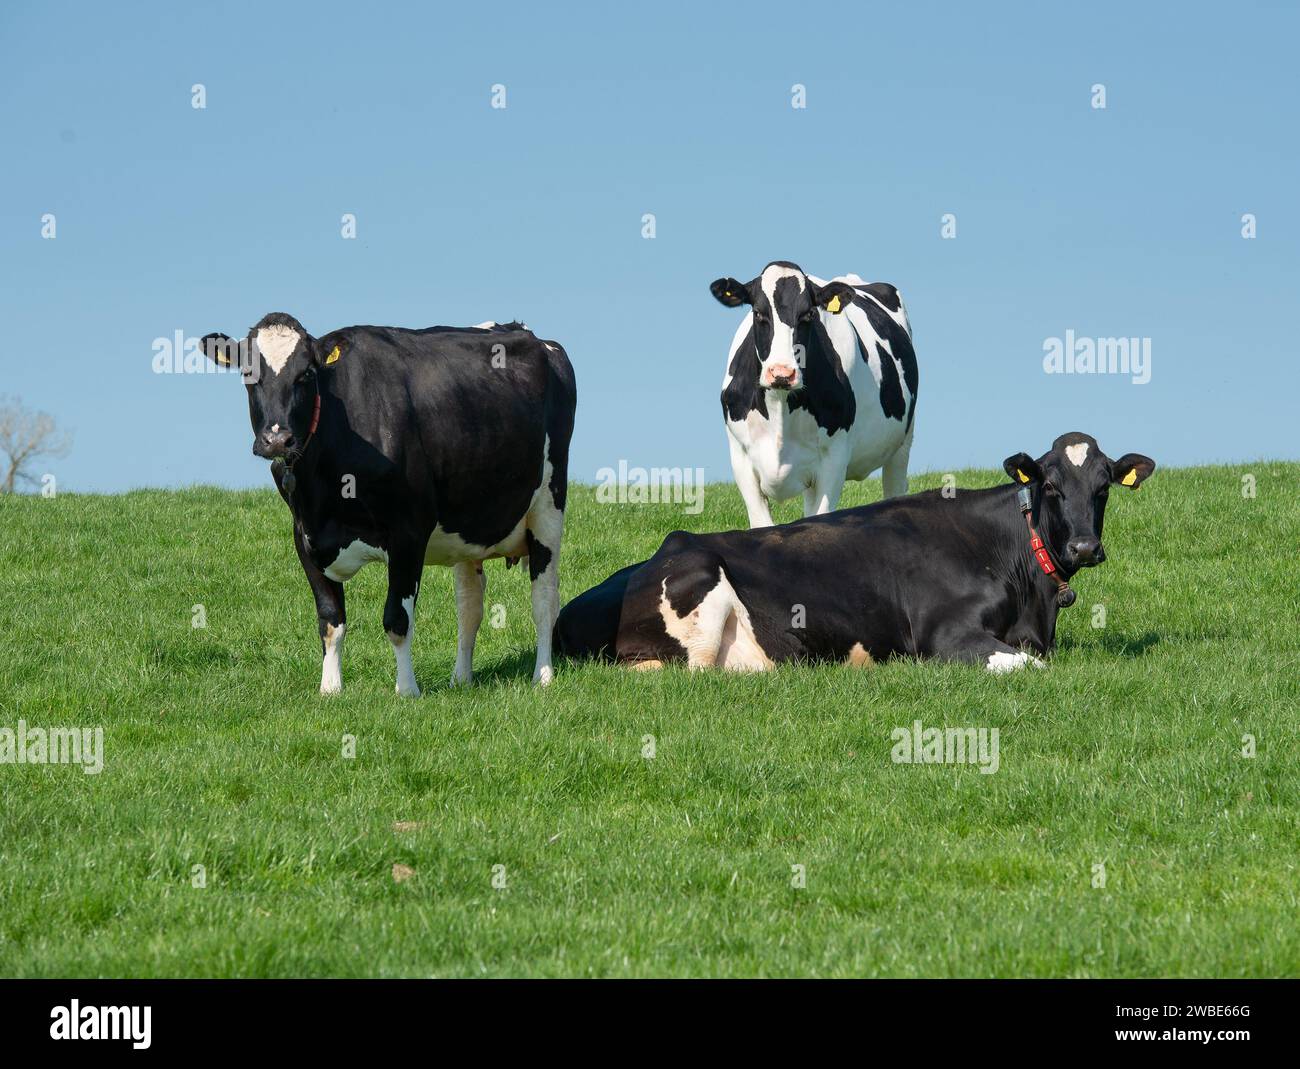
(1000, 662)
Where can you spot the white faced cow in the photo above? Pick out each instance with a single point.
(412, 447)
(820, 387)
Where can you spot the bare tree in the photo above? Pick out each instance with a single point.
(25, 438)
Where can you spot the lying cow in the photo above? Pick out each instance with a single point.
(978, 576)
(820, 387)
(413, 447)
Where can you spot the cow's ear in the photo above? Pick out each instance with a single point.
(1023, 468)
(730, 292)
(322, 356)
(835, 297)
(1131, 469)
(221, 349)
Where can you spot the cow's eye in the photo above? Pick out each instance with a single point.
(306, 376)
(1050, 490)
(759, 317)
(808, 316)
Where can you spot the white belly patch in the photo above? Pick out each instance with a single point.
(352, 558)
(446, 547)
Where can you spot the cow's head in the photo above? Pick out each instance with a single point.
(785, 304)
(1070, 484)
(280, 361)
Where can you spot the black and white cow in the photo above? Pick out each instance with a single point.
(413, 447)
(820, 387)
(961, 577)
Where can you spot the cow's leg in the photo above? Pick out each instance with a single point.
(756, 504)
(543, 531)
(827, 493)
(830, 480)
(979, 647)
(471, 584)
(695, 600)
(701, 631)
(893, 475)
(330, 617)
(404, 568)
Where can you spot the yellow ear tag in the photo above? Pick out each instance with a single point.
(333, 357)
(1023, 477)
(833, 305)
(1130, 478)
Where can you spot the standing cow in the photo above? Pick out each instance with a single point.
(412, 447)
(820, 387)
(977, 577)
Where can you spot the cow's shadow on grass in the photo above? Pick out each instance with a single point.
(1114, 643)
(518, 666)
(502, 671)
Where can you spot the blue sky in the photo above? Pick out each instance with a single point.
(1122, 221)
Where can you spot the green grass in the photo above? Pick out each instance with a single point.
(219, 752)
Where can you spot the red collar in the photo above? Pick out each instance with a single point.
(1064, 595)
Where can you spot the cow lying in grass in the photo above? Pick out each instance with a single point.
(978, 576)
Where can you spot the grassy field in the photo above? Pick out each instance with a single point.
(1126, 752)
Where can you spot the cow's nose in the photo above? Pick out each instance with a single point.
(780, 375)
(1086, 550)
(276, 442)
